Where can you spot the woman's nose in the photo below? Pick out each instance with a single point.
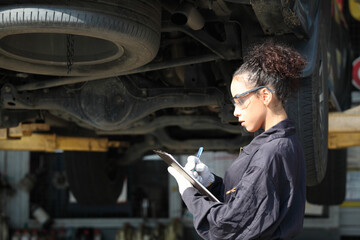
(237, 112)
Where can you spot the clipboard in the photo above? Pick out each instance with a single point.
(171, 161)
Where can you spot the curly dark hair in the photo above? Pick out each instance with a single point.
(276, 65)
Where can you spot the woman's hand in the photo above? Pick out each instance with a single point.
(183, 183)
(199, 170)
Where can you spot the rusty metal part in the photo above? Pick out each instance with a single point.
(283, 17)
(187, 14)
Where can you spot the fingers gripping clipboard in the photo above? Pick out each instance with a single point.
(171, 161)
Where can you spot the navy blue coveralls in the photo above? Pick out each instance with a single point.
(263, 192)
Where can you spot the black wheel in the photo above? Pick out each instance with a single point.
(93, 178)
(79, 38)
(309, 109)
(310, 112)
(331, 191)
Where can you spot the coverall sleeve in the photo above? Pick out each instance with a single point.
(252, 208)
(217, 188)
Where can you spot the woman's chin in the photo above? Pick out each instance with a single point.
(251, 129)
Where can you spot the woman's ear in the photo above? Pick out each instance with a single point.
(266, 96)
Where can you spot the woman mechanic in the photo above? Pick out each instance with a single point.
(263, 192)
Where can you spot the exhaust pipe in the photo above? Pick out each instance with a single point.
(187, 14)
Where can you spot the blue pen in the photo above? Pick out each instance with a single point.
(200, 152)
(198, 156)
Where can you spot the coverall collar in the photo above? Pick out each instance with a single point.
(282, 129)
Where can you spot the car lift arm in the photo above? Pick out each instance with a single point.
(21, 138)
(344, 131)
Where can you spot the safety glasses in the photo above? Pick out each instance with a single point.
(240, 100)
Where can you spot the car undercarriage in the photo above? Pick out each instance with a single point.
(155, 74)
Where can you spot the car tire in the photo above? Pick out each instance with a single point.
(93, 178)
(331, 191)
(309, 109)
(79, 38)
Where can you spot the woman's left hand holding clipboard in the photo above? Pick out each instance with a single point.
(183, 183)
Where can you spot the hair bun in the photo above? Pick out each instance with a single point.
(279, 60)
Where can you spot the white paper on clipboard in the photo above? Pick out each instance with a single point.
(171, 161)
